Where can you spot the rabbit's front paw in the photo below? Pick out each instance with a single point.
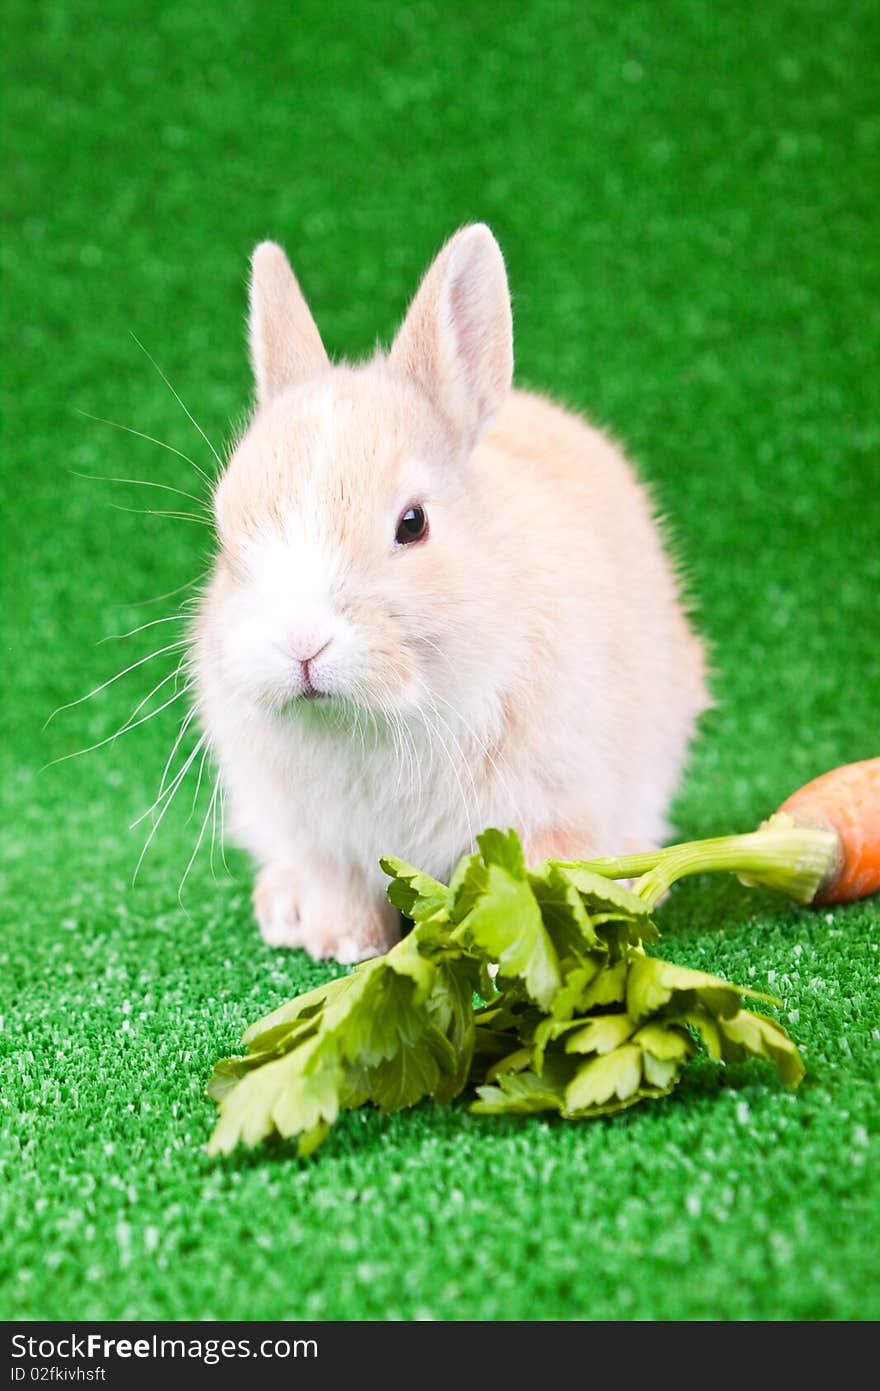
(276, 907)
(294, 910)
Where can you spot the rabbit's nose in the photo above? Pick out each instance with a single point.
(306, 664)
(308, 650)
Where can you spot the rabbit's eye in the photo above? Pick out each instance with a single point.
(413, 526)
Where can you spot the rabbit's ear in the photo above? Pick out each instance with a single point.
(457, 338)
(285, 343)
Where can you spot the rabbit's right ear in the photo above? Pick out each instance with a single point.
(284, 340)
(457, 338)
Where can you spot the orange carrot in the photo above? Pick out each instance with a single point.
(845, 801)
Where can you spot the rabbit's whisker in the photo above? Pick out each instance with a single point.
(198, 784)
(487, 754)
(130, 430)
(177, 398)
(142, 483)
(184, 726)
(157, 512)
(154, 622)
(169, 594)
(172, 788)
(461, 753)
(223, 827)
(199, 839)
(111, 738)
(172, 647)
(433, 730)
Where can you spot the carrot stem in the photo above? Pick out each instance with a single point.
(794, 861)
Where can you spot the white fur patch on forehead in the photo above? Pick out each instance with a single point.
(296, 571)
(325, 408)
(305, 429)
(323, 417)
(337, 452)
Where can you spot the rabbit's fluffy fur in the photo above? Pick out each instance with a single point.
(528, 663)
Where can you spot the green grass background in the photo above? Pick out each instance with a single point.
(685, 194)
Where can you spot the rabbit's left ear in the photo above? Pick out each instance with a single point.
(284, 339)
(457, 338)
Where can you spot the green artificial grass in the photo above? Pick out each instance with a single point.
(684, 194)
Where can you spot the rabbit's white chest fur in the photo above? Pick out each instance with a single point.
(517, 655)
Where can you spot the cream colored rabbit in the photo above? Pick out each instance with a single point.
(438, 604)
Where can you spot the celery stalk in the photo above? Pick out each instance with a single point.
(781, 856)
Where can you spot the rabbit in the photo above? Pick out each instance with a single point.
(438, 604)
